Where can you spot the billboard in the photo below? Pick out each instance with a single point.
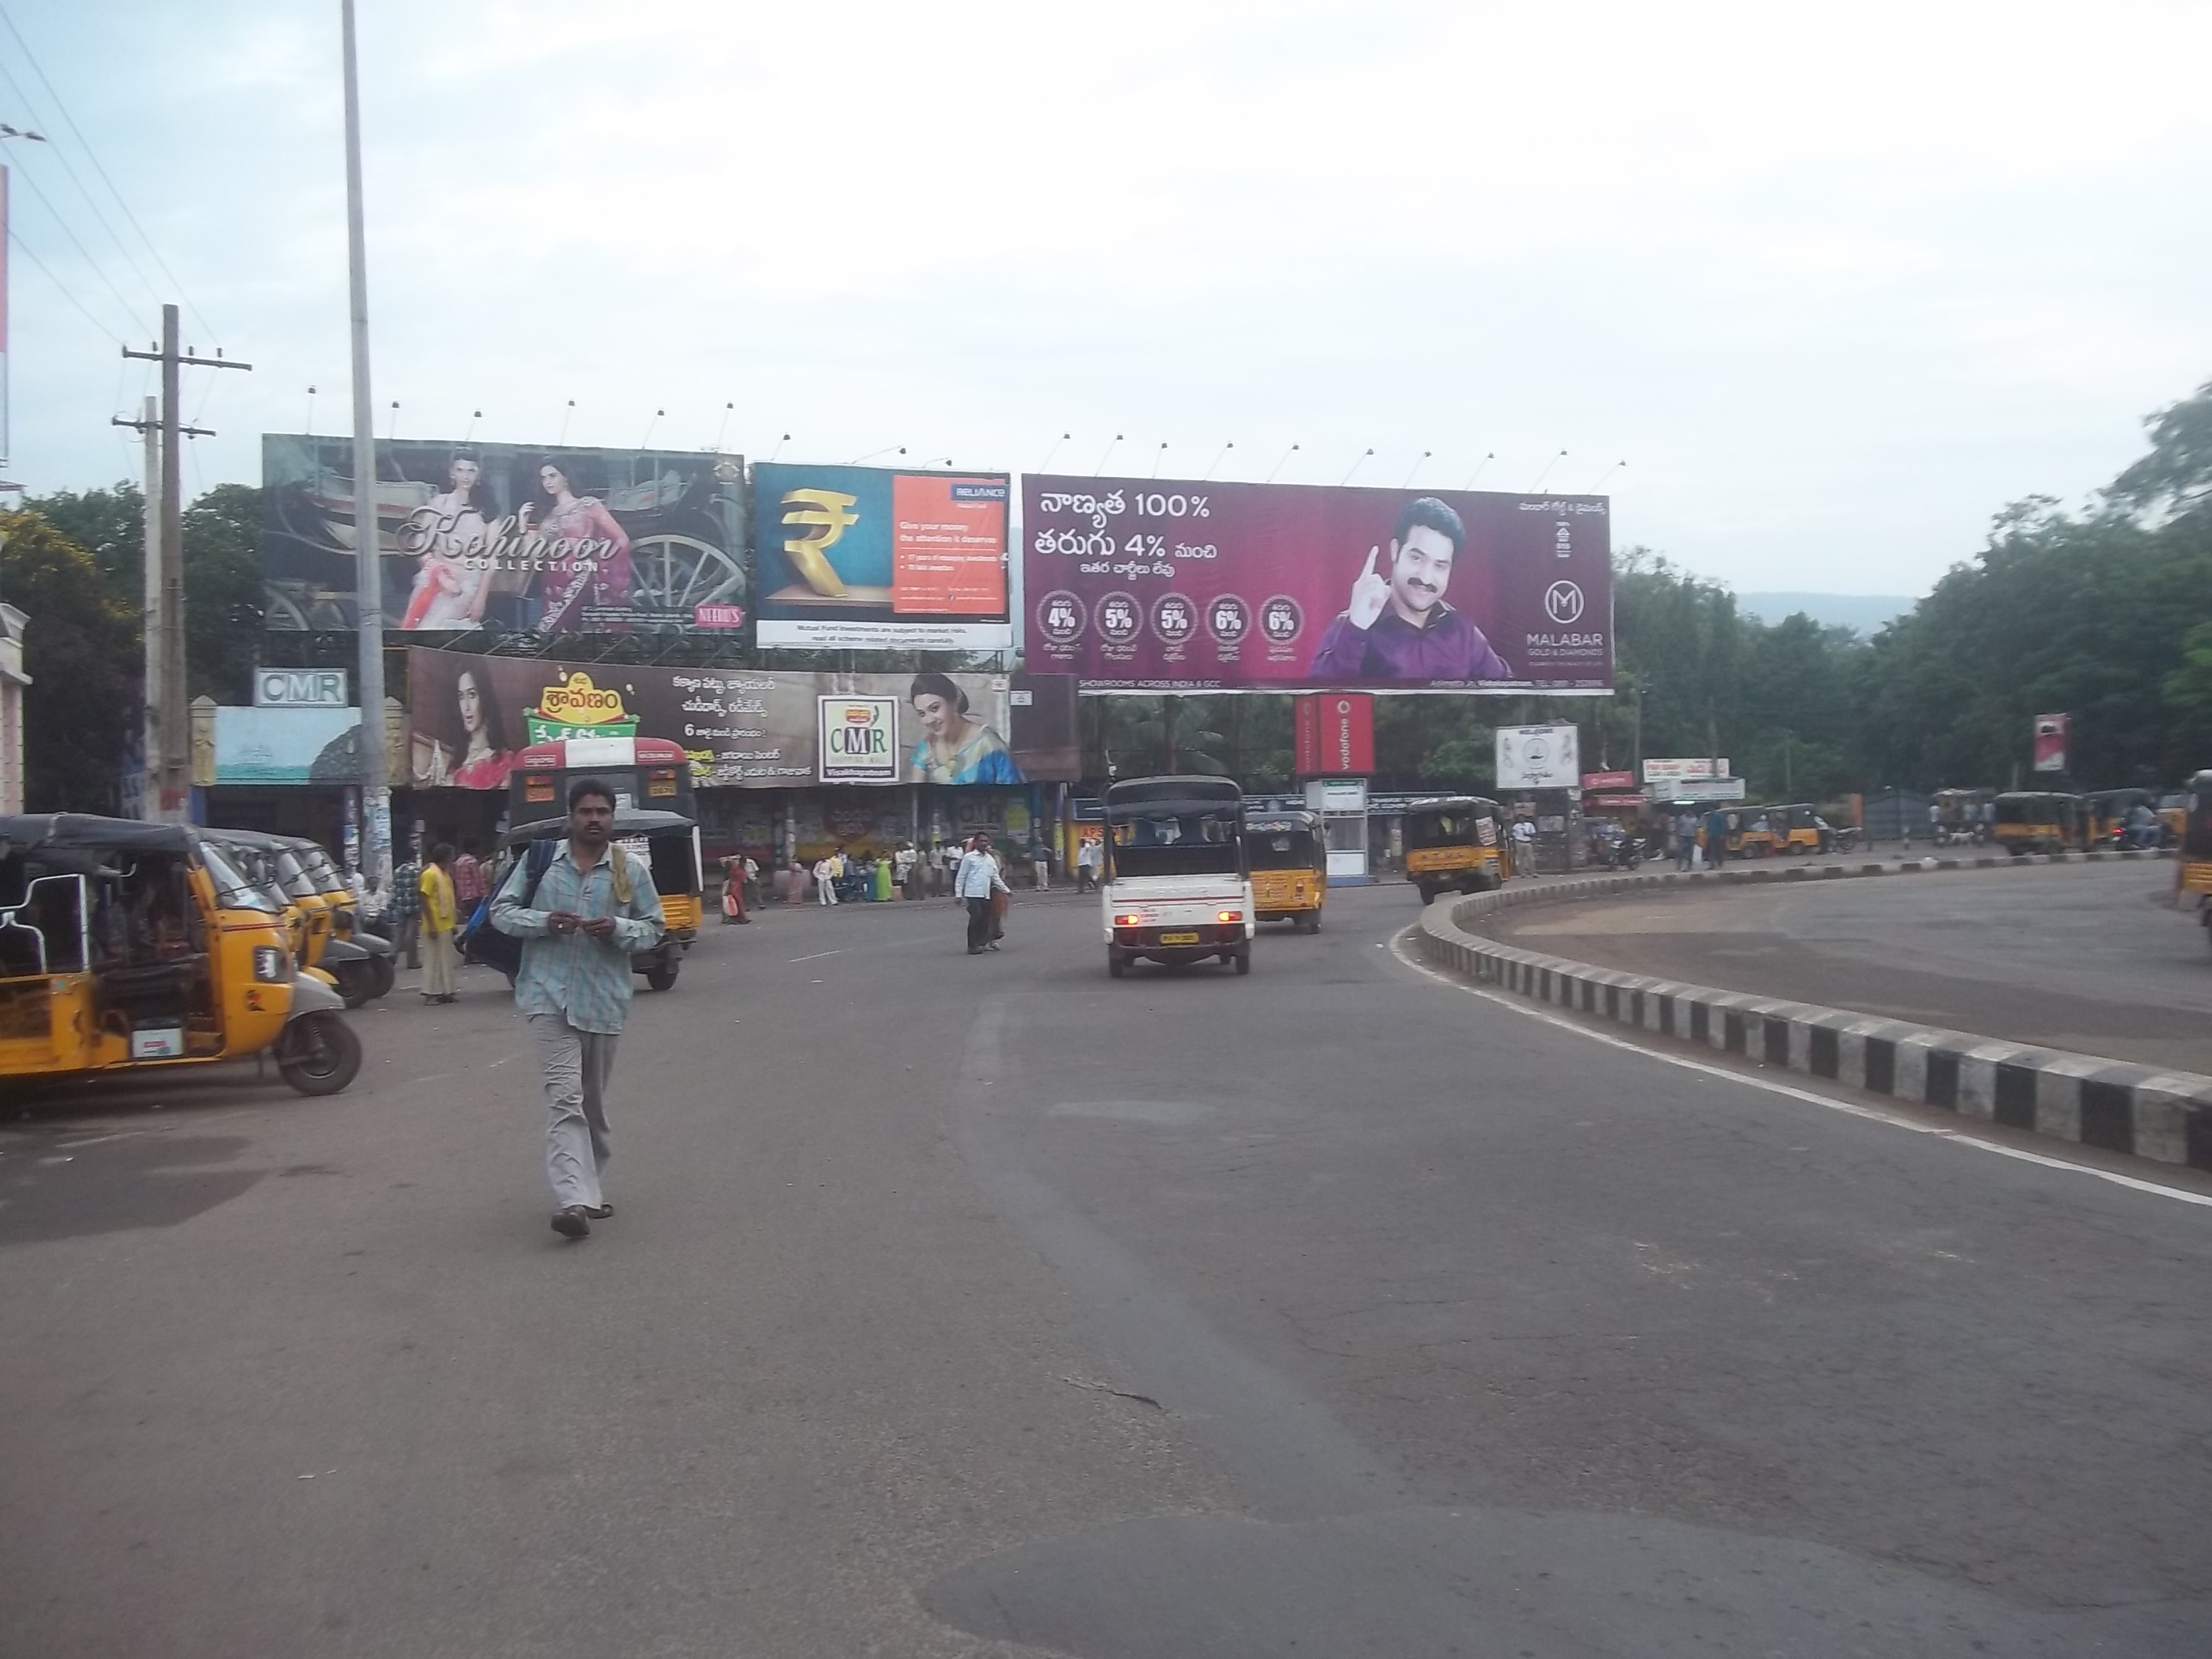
(561, 541)
(1678, 770)
(1539, 757)
(1165, 586)
(859, 557)
(2051, 742)
(469, 716)
(287, 745)
(1333, 731)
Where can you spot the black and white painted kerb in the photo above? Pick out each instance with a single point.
(2163, 1115)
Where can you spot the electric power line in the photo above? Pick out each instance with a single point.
(82, 143)
(61, 155)
(97, 268)
(15, 237)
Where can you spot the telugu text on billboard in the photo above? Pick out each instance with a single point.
(857, 557)
(1158, 584)
(557, 542)
(468, 717)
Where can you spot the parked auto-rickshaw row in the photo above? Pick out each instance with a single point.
(127, 945)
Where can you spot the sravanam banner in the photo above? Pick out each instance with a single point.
(857, 557)
(1156, 585)
(469, 716)
(559, 541)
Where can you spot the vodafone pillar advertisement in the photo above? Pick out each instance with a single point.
(1335, 734)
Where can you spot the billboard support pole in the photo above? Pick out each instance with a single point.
(369, 574)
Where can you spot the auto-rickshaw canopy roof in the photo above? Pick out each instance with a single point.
(1173, 797)
(84, 832)
(628, 823)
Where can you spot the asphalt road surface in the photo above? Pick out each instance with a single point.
(2089, 956)
(988, 1306)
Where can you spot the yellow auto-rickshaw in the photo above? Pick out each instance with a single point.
(669, 842)
(1761, 831)
(2192, 874)
(1455, 843)
(2030, 820)
(129, 945)
(359, 978)
(360, 971)
(1290, 867)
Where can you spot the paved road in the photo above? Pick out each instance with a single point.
(2087, 956)
(988, 1306)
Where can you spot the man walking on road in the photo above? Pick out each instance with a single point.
(435, 885)
(973, 883)
(579, 920)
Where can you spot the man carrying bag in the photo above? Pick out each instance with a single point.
(592, 909)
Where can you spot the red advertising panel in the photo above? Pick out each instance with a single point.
(1159, 585)
(2051, 742)
(1596, 780)
(1335, 733)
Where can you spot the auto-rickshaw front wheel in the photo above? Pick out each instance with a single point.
(662, 974)
(319, 1053)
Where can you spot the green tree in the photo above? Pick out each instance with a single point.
(80, 649)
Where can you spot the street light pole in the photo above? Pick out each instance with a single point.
(368, 573)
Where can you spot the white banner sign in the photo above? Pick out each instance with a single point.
(1672, 771)
(1539, 757)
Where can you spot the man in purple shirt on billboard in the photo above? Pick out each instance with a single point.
(1397, 627)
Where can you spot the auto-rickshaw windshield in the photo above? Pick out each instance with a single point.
(1282, 849)
(233, 891)
(1439, 829)
(1175, 844)
(297, 882)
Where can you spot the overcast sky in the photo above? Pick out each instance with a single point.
(1836, 284)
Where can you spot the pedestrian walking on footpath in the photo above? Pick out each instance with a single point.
(1089, 857)
(435, 886)
(580, 917)
(1040, 864)
(825, 879)
(974, 882)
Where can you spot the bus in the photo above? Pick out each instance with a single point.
(646, 773)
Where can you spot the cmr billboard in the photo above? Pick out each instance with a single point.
(857, 558)
(560, 541)
(1156, 585)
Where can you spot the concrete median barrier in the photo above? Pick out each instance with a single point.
(2162, 1116)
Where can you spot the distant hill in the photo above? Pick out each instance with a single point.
(1865, 611)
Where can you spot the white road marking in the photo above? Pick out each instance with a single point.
(1895, 1120)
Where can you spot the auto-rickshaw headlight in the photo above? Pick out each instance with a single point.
(269, 963)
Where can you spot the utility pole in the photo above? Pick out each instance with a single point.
(369, 559)
(169, 759)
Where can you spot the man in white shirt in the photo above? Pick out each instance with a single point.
(825, 879)
(973, 883)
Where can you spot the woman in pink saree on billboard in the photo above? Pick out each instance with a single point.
(591, 572)
(1397, 626)
(448, 592)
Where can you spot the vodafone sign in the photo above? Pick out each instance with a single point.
(1335, 734)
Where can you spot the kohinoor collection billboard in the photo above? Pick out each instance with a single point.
(558, 542)
(1158, 584)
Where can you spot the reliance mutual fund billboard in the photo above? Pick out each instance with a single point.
(1139, 584)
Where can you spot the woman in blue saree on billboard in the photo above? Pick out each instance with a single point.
(955, 746)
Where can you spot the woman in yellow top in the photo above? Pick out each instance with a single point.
(436, 885)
